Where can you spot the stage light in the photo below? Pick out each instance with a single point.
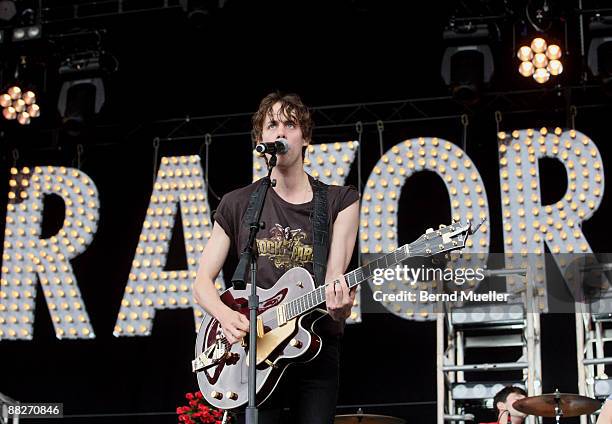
(34, 110)
(538, 45)
(19, 105)
(526, 69)
(23, 118)
(467, 63)
(540, 60)
(79, 101)
(27, 33)
(82, 93)
(14, 92)
(541, 75)
(525, 53)
(553, 52)
(200, 12)
(599, 58)
(554, 67)
(8, 10)
(9, 113)
(18, 34)
(5, 100)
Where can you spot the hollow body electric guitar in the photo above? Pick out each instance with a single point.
(286, 315)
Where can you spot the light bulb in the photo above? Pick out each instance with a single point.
(538, 45)
(23, 118)
(34, 110)
(553, 52)
(29, 97)
(9, 113)
(554, 67)
(540, 60)
(526, 69)
(541, 75)
(14, 92)
(19, 105)
(5, 100)
(525, 53)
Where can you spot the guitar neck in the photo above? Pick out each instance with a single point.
(316, 297)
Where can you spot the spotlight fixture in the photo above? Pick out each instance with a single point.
(27, 33)
(8, 10)
(19, 105)
(599, 57)
(82, 93)
(540, 60)
(467, 63)
(18, 102)
(199, 12)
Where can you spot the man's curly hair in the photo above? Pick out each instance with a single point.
(292, 108)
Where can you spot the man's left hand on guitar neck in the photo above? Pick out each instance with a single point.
(339, 298)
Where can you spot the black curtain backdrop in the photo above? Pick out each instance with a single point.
(330, 55)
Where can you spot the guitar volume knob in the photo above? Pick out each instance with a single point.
(232, 395)
(216, 395)
(295, 343)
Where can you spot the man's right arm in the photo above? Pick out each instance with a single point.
(234, 324)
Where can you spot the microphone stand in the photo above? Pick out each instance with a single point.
(249, 256)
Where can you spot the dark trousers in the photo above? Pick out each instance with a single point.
(309, 390)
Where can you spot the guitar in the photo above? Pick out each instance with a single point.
(285, 321)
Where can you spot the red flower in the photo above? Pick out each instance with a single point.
(189, 396)
(199, 395)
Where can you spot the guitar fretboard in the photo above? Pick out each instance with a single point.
(314, 298)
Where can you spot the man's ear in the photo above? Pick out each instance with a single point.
(501, 406)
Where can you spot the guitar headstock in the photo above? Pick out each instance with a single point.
(444, 239)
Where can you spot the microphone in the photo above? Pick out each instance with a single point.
(279, 146)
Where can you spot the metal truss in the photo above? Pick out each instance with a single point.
(66, 11)
(464, 330)
(593, 332)
(563, 100)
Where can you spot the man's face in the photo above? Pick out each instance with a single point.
(512, 397)
(280, 126)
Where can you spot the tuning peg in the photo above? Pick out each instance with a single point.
(442, 226)
(429, 230)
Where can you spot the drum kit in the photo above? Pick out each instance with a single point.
(555, 405)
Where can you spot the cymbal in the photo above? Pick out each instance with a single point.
(544, 406)
(367, 419)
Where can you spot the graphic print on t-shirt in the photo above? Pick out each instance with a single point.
(285, 247)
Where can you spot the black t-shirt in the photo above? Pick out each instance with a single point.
(286, 240)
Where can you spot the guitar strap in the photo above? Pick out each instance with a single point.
(320, 226)
(320, 231)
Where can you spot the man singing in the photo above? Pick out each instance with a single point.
(284, 243)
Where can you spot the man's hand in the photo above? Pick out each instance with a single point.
(234, 325)
(339, 298)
